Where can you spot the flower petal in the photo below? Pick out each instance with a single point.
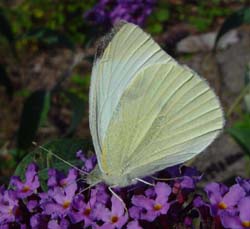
(215, 192)
(229, 221)
(134, 225)
(142, 201)
(244, 208)
(235, 193)
(117, 206)
(135, 212)
(162, 190)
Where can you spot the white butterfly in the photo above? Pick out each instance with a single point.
(147, 112)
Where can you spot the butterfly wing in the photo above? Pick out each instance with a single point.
(165, 116)
(129, 50)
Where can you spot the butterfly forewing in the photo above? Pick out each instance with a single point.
(129, 50)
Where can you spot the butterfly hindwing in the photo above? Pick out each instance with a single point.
(166, 115)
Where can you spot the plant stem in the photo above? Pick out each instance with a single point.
(238, 99)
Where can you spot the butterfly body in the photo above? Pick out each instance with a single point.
(147, 112)
(112, 180)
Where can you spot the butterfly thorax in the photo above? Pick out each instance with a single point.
(115, 180)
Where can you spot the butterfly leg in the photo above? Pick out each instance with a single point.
(90, 186)
(118, 197)
(144, 182)
(173, 178)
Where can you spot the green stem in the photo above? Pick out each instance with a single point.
(238, 99)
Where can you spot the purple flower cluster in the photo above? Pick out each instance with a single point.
(107, 12)
(171, 202)
(230, 204)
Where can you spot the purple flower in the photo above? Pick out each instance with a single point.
(241, 220)
(4, 226)
(222, 198)
(203, 207)
(54, 224)
(100, 191)
(97, 15)
(134, 225)
(153, 206)
(188, 221)
(183, 176)
(39, 221)
(244, 183)
(135, 212)
(8, 206)
(54, 177)
(166, 205)
(132, 12)
(61, 199)
(44, 197)
(82, 211)
(114, 218)
(31, 184)
(2, 190)
(107, 12)
(58, 179)
(32, 205)
(70, 180)
(89, 163)
(23, 226)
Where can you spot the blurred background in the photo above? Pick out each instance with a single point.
(46, 53)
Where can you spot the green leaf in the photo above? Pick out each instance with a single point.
(162, 14)
(80, 80)
(45, 110)
(235, 20)
(5, 81)
(247, 84)
(65, 148)
(156, 28)
(78, 107)
(241, 133)
(201, 23)
(35, 111)
(49, 37)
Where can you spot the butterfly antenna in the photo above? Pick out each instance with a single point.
(61, 159)
(118, 197)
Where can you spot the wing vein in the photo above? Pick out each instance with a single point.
(129, 170)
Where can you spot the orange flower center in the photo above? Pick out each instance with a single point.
(114, 219)
(87, 211)
(157, 207)
(26, 188)
(222, 205)
(10, 211)
(66, 204)
(63, 183)
(246, 224)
